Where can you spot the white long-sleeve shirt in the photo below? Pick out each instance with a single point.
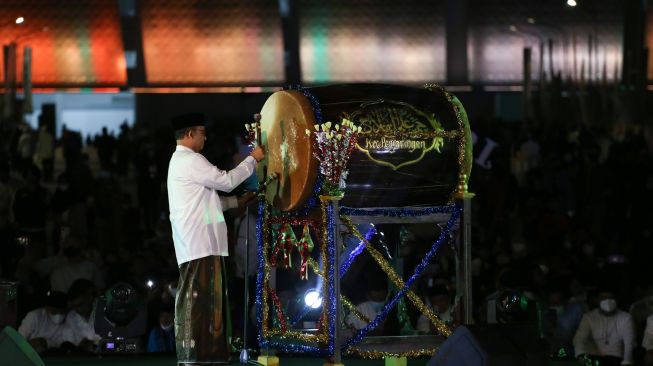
(198, 225)
(81, 328)
(647, 342)
(37, 324)
(602, 335)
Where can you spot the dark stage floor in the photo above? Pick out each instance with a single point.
(145, 360)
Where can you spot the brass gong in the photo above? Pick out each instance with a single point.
(285, 117)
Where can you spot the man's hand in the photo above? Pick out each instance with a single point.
(245, 199)
(258, 153)
(39, 344)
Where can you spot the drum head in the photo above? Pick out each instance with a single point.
(285, 117)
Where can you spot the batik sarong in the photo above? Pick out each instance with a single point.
(202, 312)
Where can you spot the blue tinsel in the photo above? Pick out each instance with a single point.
(260, 270)
(331, 247)
(455, 211)
(343, 270)
(358, 250)
(358, 337)
(297, 348)
(397, 212)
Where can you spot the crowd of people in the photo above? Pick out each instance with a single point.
(561, 217)
(95, 211)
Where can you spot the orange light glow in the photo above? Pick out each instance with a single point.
(73, 42)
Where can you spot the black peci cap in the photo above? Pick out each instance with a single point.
(187, 120)
(56, 299)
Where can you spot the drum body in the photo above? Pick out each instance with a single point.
(285, 117)
(414, 149)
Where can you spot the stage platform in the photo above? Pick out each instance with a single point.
(148, 360)
(389, 344)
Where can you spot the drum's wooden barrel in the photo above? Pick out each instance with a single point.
(399, 161)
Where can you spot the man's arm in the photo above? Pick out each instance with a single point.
(647, 342)
(27, 326)
(582, 335)
(629, 340)
(203, 172)
(207, 174)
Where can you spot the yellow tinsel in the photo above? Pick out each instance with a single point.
(266, 272)
(351, 307)
(440, 326)
(300, 336)
(315, 267)
(323, 255)
(461, 142)
(374, 354)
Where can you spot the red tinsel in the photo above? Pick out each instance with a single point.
(279, 311)
(305, 247)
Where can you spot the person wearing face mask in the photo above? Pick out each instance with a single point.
(440, 301)
(81, 317)
(606, 334)
(45, 328)
(162, 337)
(375, 296)
(563, 318)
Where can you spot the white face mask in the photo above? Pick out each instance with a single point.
(608, 305)
(56, 318)
(167, 327)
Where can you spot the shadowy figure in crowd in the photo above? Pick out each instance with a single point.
(45, 328)
(106, 146)
(161, 338)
